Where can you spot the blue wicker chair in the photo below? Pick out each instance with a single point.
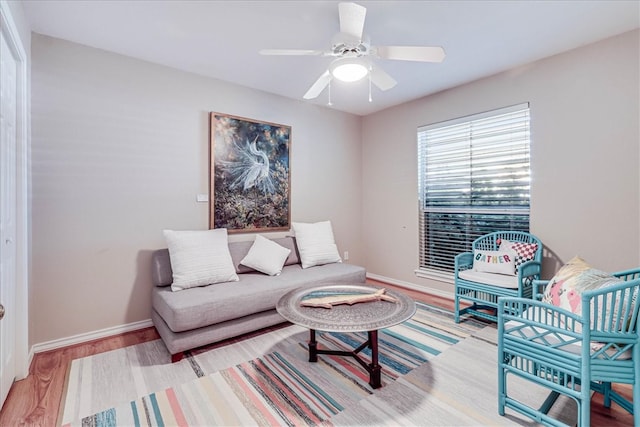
(481, 290)
(572, 354)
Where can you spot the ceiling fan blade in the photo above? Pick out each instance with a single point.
(412, 53)
(318, 86)
(352, 19)
(290, 52)
(381, 79)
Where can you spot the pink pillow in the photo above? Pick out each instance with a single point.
(565, 289)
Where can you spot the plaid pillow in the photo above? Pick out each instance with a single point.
(524, 251)
(519, 260)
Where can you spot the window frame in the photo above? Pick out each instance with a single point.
(520, 207)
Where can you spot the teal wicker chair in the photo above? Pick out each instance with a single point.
(572, 354)
(481, 290)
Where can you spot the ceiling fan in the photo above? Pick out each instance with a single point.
(353, 53)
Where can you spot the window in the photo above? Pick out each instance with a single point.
(474, 178)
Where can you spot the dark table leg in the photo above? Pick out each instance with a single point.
(313, 346)
(374, 367)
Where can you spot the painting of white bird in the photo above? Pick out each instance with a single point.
(251, 169)
(249, 187)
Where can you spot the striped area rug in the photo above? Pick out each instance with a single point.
(280, 387)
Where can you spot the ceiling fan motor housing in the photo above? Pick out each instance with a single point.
(343, 43)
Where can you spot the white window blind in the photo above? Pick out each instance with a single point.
(474, 178)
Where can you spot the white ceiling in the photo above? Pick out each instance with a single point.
(221, 39)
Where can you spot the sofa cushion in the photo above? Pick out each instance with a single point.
(199, 258)
(266, 256)
(254, 292)
(316, 243)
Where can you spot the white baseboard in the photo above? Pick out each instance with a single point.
(412, 286)
(89, 336)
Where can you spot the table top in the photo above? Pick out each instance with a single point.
(363, 316)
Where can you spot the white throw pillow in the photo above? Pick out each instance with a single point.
(199, 258)
(266, 256)
(501, 262)
(315, 243)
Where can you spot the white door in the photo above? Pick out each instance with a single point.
(8, 207)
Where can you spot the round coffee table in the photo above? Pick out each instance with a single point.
(359, 317)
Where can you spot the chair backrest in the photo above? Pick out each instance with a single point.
(630, 274)
(491, 241)
(613, 308)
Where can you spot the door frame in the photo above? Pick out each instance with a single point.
(23, 217)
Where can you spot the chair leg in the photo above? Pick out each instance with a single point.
(606, 395)
(502, 386)
(584, 407)
(636, 402)
(456, 308)
(549, 401)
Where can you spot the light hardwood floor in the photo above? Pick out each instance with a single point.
(36, 400)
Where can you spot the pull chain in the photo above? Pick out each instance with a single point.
(329, 103)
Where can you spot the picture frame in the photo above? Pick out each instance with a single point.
(249, 174)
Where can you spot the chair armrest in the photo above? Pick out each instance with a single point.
(553, 336)
(463, 261)
(528, 269)
(540, 315)
(538, 288)
(610, 316)
(524, 304)
(527, 273)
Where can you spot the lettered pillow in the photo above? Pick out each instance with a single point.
(501, 262)
(524, 251)
(315, 243)
(199, 258)
(266, 256)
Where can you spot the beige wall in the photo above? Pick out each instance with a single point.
(585, 193)
(120, 150)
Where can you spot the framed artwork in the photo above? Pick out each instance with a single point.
(249, 189)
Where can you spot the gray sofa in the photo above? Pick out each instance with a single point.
(198, 316)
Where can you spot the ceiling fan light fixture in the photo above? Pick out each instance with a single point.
(349, 69)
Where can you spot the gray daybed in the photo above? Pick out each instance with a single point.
(199, 316)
